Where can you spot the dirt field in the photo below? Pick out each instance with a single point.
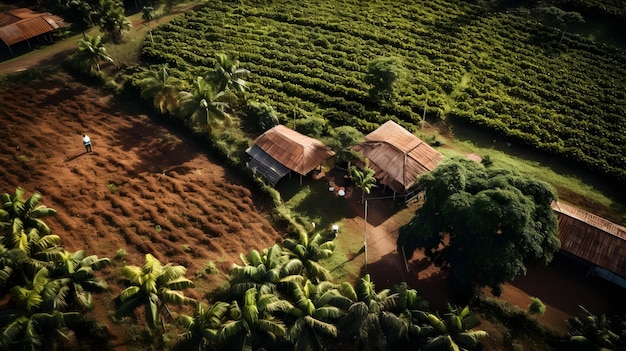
(142, 189)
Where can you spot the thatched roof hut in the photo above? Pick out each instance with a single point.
(397, 156)
(22, 24)
(280, 150)
(592, 238)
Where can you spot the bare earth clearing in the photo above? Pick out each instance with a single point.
(145, 189)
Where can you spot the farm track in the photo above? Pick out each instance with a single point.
(143, 189)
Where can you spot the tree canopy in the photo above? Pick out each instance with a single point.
(483, 225)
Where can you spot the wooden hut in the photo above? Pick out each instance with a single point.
(397, 156)
(281, 150)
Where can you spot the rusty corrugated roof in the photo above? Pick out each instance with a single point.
(293, 150)
(592, 238)
(7, 18)
(397, 156)
(22, 24)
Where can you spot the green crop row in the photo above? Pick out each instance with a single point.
(496, 70)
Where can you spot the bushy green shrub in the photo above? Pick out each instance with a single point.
(536, 306)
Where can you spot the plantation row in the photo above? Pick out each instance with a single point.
(611, 7)
(496, 70)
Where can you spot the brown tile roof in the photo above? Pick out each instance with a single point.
(397, 156)
(22, 24)
(293, 150)
(592, 238)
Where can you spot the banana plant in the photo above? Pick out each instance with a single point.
(153, 286)
(591, 332)
(454, 331)
(204, 327)
(260, 270)
(76, 272)
(306, 252)
(371, 316)
(253, 325)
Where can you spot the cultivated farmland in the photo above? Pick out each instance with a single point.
(495, 68)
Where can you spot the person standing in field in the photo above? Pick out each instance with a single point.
(87, 143)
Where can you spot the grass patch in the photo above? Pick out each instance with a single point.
(571, 184)
(349, 257)
(313, 203)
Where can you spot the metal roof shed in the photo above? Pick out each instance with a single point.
(289, 149)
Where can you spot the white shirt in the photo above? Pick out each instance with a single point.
(86, 140)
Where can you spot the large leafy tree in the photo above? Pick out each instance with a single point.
(153, 286)
(113, 22)
(483, 225)
(341, 141)
(79, 14)
(383, 73)
(554, 16)
(204, 107)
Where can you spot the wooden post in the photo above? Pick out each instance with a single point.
(365, 236)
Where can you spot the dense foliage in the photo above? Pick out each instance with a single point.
(482, 225)
(496, 69)
(282, 298)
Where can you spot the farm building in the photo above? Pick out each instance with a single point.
(599, 242)
(280, 150)
(397, 156)
(18, 25)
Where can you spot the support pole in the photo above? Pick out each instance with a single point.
(365, 236)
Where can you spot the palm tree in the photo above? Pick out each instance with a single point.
(313, 316)
(153, 286)
(591, 332)
(260, 271)
(37, 318)
(306, 252)
(76, 272)
(371, 316)
(203, 329)
(205, 109)
(253, 325)
(453, 332)
(158, 87)
(364, 179)
(113, 23)
(228, 76)
(92, 51)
